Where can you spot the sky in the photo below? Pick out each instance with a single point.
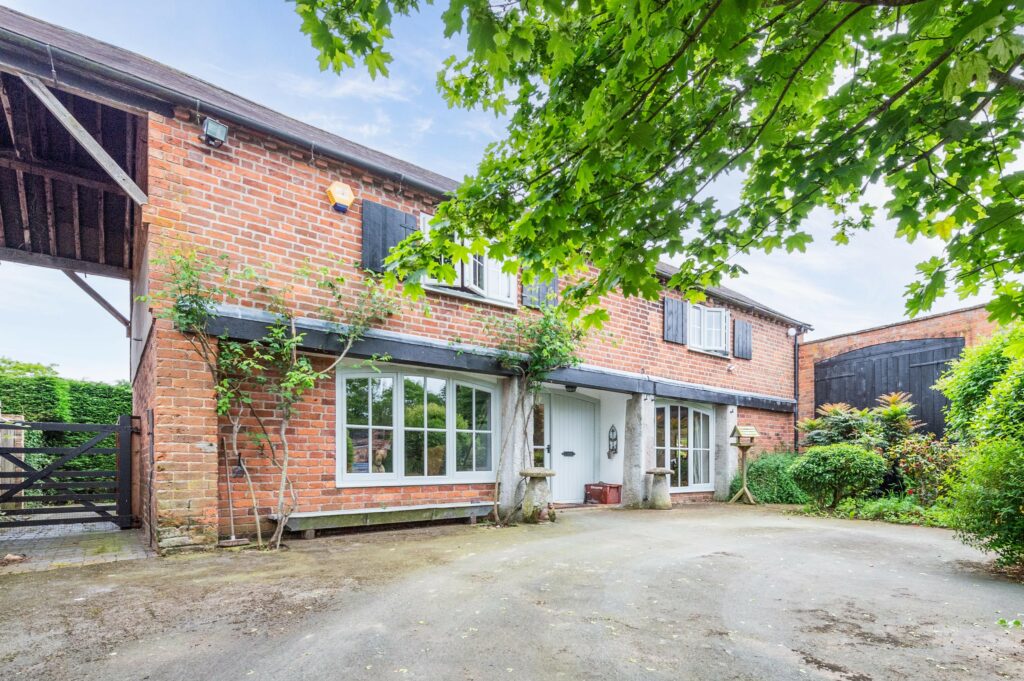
(255, 49)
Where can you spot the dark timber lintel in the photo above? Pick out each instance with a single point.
(408, 351)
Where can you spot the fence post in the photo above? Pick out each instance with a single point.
(124, 472)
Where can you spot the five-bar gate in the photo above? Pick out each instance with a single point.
(48, 485)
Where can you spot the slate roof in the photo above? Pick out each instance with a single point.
(164, 82)
(728, 295)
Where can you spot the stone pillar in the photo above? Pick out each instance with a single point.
(516, 430)
(726, 455)
(639, 447)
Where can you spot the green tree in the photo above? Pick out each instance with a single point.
(1002, 413)
(624, 116)
(12, 368)
(969, 380)
(987, 498)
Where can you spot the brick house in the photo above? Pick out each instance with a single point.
(663, 384)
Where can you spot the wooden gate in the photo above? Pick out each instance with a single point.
(58, 492)
(858, 377)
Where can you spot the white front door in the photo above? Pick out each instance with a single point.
(573, 446)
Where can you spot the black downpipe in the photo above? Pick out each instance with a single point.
(796, 389)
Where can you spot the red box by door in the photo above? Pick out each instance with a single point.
(603, 493)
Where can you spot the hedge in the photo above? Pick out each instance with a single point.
(38, 398)
(59, 400)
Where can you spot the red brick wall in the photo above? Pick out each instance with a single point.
(262, 204)
(692, 497)
(971, 324)
(775, 430)
(143, 387)
(312, 443)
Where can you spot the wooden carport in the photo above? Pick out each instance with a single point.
(70, 176)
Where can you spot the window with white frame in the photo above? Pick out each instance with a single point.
(426, 425)
(369, 425)
(682, 442)
(479, 275)
(411, 427)
(473, 434)
(709, 329)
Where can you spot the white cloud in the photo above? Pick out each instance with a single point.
(422, 125)
(351, 85)
(479, 127)
(372, 128)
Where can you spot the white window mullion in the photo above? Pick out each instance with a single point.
(399, 420)
(451, 437)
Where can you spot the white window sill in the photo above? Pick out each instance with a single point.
(713, 353)
(466, 479)
(465, 295)
(692, 488)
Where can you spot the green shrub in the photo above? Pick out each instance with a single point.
(1001, 416)
(968, 381)
(839, 422)
(922, 461)
(37, 398)
(894, 418)
(987, 498)
(902, 510)
(769, 480)
(831, 473)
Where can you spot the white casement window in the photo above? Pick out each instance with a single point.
(414, 427)
(709, 329)
(369, 430)
(479, 276)
(426, 426)
(473, 433)
(682, 442)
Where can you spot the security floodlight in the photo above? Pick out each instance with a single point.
(215, 133)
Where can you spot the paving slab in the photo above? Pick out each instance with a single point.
(50, 547)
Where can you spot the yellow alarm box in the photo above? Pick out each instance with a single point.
(341, 196)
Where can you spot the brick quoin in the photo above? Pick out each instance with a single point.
(261, 203)
(971, 324)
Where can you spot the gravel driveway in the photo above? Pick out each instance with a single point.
(705, 592)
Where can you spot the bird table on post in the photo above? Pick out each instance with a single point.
(743, 437)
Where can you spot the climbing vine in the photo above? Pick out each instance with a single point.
(271, 365)
(531, 347)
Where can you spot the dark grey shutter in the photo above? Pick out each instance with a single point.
(675, 320)
(743, 340)
(537, 294)
(383, 229)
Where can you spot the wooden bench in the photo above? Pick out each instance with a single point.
(310, 521)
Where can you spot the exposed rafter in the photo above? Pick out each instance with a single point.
(87, 141)
(61, 205)
(61, 172)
